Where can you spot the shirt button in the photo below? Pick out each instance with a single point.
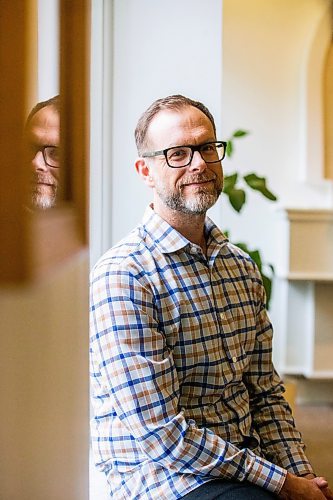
(194, 250)
(234, 359)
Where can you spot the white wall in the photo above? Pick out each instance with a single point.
(158, 49)
(48, 49)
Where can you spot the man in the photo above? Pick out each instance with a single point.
(187, 403)
(43, 137)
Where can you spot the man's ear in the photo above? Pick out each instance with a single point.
(143, 170)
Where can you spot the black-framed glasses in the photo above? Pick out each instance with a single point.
(51, 155)
(181, 156)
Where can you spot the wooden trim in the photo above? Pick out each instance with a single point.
(13, 85)
(34, 243)
(74, 90)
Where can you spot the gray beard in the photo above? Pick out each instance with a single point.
(43, 201)
(195, 206)
(40, 199)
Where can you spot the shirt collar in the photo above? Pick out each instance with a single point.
(214, 234)
(169, 239)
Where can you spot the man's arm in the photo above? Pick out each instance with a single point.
(280, 440)
(272, 417)
(137, 365)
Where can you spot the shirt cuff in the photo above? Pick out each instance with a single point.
(296, 462)
(267, 475)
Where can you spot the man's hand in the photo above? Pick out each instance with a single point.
(323, 485)
(305, 488)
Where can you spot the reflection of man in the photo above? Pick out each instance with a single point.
(186, 399)
(43, 136)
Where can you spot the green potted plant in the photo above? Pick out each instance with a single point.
(235, 186)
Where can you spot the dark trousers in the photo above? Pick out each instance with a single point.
(228, 490)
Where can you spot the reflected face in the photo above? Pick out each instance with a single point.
(43, 130)
(193, 189)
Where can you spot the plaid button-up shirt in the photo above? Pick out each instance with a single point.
(184, 390)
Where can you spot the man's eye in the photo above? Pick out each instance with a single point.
(53, 153)
(177, 154)
(208, 148)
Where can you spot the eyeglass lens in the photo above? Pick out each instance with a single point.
(182, 156)
(51, 156)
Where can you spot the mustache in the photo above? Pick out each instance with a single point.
(197, 179)
(40, 178)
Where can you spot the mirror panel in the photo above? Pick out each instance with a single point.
(34, 241)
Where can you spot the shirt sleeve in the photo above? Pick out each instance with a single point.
(137, 365)
(272, 417)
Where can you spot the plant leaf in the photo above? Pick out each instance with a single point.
(237, 198)
(259, 184)
(255, 255)
(267, 282)
(242, 246)
(229, 182)
(240, 133)
(230, 149)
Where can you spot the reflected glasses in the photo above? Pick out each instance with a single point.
(181, 156)
(51, 155)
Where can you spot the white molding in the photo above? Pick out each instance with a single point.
(306, 265)
(296, 370)
(291, 370)
(308, 214)
(306, 276)
(320, 374)
(306, 245)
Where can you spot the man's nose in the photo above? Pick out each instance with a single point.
(197, 164)
(38, 163)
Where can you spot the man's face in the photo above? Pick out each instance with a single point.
(43, 129)
(192, 189)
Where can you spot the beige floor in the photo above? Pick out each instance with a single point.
(316, 425)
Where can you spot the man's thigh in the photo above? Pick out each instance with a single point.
(228, 490)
